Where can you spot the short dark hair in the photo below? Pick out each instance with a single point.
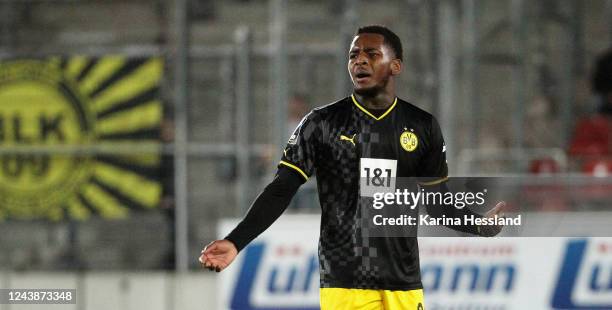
(602, 77)
(390, 38)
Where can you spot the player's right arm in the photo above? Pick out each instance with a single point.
(266, 209)
(296, 165)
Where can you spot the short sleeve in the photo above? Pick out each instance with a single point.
(434, 166)
(300, 152)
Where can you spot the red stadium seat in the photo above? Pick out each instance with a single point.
(544, 166)
(549, 197)
(592, 137)
(600, 167)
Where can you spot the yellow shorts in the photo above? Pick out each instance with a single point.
(358, 299)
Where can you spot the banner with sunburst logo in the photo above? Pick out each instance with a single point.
(79, 137)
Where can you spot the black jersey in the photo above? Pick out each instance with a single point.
(344, 144)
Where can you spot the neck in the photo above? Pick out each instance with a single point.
(381, 100)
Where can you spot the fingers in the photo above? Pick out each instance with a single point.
(206, 260)
(213, 267)
(499, 207)
(210, 266)
(217, 255)
(210, 247)
(498, 210)
(211, 263)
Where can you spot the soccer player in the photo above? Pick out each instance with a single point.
(369, 135)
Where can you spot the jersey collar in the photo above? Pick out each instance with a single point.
(364, 110)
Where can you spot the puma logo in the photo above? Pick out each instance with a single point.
(345, 138)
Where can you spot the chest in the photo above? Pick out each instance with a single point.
(388, 146)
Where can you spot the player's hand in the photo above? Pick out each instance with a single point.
(218, 255)
(493, 230)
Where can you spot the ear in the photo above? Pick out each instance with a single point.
(396, 66)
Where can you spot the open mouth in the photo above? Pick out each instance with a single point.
(362, 77)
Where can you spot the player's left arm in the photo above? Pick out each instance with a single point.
(434, 177)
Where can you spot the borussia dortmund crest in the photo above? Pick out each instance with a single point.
(409, 141)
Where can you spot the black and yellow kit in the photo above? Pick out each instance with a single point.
(354, 152)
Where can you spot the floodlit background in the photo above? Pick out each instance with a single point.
(129, 130)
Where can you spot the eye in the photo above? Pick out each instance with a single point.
(352, 55)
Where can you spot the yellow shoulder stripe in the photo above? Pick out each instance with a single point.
(296, 168)
(442, 180)
(372, 115)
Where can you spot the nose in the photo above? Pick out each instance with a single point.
(361, 59)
